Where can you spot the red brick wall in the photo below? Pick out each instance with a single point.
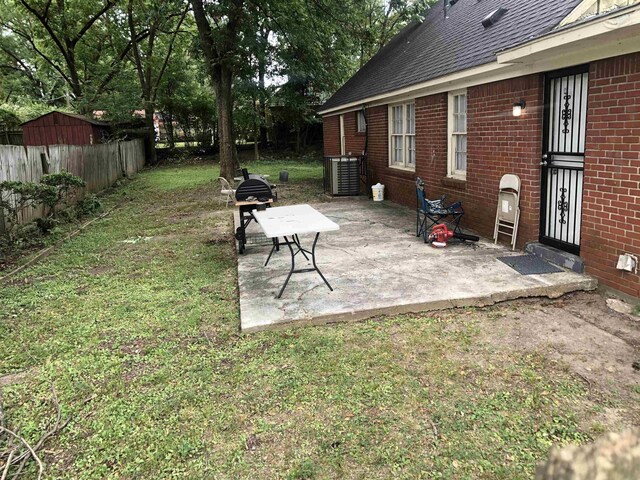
(354, 141)
(331, 135)
(397, 182)
(498, 143)
(611, 208)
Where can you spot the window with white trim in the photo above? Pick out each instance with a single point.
(457, 134)
(361, 121)
(402, 136)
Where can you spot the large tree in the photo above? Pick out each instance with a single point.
(163, 19)
(71, 38)
(219, 26)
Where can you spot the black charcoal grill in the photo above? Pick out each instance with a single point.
(254, 188)
(254, 193)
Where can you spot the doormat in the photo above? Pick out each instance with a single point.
(529, 265)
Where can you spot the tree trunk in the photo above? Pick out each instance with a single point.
(150, 140)
(262, 106)
(220, 70)
(222, 83)
(168, 127)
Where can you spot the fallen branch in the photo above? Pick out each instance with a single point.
(11, 461)
(17, 455)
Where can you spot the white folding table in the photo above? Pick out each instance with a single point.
(289, 222)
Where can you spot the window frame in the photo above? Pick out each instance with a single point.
(406, 134)
(361, 122)
(452, 135)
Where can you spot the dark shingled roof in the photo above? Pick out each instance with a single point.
(439, 46)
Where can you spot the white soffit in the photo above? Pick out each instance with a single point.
(592, 8)
(609, 32)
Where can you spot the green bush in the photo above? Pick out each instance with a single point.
(53, 191)
(88, 205)
(62, 187)
(16, 197)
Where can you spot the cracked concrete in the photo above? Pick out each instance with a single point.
(377, 265)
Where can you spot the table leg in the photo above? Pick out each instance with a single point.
(290, 244)
(293, 266)
(313, 256)
(300, 249)
(275, 248)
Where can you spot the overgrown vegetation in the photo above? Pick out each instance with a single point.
(135, 323)
(55, 192)
(273, 62)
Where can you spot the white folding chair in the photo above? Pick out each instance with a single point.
(508, 212)
(227, 193)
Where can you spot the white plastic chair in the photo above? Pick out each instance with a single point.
(508, 212)
(227, 193)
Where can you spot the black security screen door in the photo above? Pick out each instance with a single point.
(564, 136)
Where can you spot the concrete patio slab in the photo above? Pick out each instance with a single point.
(377, 265)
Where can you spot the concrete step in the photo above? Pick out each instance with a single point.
(556, 256)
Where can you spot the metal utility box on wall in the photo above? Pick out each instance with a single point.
(342, 175)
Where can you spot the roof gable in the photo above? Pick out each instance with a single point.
(440, 46)
(72, 115)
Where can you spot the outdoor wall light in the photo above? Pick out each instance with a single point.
(518, 107)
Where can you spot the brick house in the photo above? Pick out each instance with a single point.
(546, 89)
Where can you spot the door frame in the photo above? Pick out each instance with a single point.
(343, 138)
(546, 119)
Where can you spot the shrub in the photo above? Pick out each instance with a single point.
(88, 205)
(63, 187)
(16, 197)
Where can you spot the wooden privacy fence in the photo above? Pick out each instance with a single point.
(100, 166)
(10, 137)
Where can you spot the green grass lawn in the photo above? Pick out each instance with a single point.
(136, 321)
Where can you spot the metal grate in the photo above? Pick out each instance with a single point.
(257, 239)
(566, 95)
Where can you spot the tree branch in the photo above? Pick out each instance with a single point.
(31, 42)
(116, 62)
(44, 21)
(107, 6)
(154, 94)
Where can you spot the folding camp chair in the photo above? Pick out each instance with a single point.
(433, 212)
(508, 212)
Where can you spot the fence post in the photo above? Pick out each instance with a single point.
(3, 228)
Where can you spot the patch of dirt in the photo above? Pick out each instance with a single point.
(252, 443)
(101, 270)
(13, 378)
(596, 343)
(135, 370)
(137, 347)
(198, 215)
(218, 237)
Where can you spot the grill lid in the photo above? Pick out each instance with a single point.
(254, 187)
